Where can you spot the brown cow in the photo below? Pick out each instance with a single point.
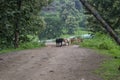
(76, 40)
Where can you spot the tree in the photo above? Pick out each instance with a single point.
(17, 20)
(17, 23)
(102, 21)
(71, 16)
(53, 27)
(62, 17)
(109, 10)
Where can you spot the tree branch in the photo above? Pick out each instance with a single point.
(101, 20)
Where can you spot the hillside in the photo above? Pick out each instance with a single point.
(57, 5)
(62, 17)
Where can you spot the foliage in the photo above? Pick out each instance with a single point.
(18, 19)
(28, 45)
(62, 17)
(107, 43)
(71, 16)
(104, 44)
(109, 10)
(81, 31)
(109, 70)
(53, 28)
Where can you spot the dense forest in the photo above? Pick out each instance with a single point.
(62, 17)
(52, 18)
(19, 18)
(109, 10)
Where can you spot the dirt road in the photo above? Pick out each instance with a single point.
(50, 63)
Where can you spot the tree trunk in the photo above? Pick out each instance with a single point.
(17, 24)
(102, 21)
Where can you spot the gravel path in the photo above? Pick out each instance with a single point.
(51, 63)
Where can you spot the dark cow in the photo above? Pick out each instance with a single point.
(59, 42)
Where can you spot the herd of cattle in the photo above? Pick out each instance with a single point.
(64, 42)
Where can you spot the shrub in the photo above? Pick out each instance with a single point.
(115, 52)
(31, 45)
(100, 41)
(109, 69)
(103, 45)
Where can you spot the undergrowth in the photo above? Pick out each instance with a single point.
(105, 45)
(23, 46)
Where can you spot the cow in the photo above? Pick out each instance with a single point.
(59, 42)
(62, 42)
(66, 42)
(76, 40)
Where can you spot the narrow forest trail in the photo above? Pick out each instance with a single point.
(50, 63)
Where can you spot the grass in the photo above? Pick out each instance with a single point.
(77, 33)
(109, 70)
(23, 46)
(27, 45)
(105, 45)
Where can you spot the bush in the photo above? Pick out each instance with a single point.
(100, 41)
(109, 69)
(103, 45)
(28, 45)
(115, 52)
(31, 45)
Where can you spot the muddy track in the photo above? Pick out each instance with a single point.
(51, 63)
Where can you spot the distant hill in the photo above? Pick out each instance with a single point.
(56, 5)
(62, 17)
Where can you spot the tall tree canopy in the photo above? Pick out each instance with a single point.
(62, 17)
(106, 26)
(18, 18)
(109, 10)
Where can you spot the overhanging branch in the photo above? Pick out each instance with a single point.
(101, 20)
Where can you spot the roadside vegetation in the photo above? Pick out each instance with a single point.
(23, 46)
(105, 45)
(33, 43)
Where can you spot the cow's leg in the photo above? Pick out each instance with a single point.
(60, 44)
